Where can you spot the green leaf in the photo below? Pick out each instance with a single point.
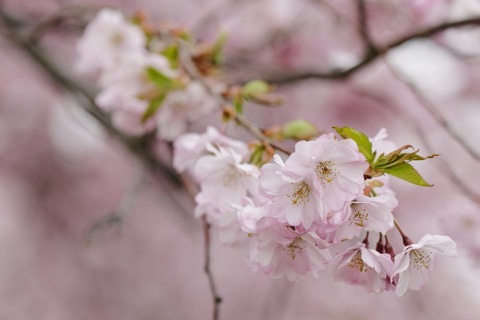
(218, 48)
(172, 55)
(160, 79)
(256, 87)
(238, 104)
(406, 172)
(155, 103)
(364, 144)
(299, 130)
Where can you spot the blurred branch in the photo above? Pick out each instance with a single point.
(370, 55)
(249, 126)
(192, 190)
(428, 106)
(57, 19)
(118, 217)
(137, 146)
(406, 119)
(363, 25)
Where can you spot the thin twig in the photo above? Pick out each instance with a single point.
(428, 106)
(118, 217)
(445, 168)
(138, 146)
(193, 71)
(369, 57)
(217, 300)
(192, 190)
(363, 25)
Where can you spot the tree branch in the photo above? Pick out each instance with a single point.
(369, 57)
(432, 110)
(192, 190)
(137, 146)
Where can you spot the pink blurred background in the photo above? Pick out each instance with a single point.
(60, 171)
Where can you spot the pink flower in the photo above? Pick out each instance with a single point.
(335, 169)
(189, 147)
(292, 196)
(380, 144)
(413, 265)
(182, 107)
(287, 251)
(363, 266)
(108, 40)
(224, 179)
(367, 214)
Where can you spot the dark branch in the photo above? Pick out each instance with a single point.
(138, 146)
(370, 56)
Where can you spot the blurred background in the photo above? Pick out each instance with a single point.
(61, 170)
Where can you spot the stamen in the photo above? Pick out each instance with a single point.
(301, 194)
(231, 177)
(326, 172)
(357, 263)
(358, 216)
(420, 259)
(295, 248)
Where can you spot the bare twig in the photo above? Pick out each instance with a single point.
(138, 146)
(370, 55)
(217, 300)
(192, 190)
(428, 106)
(222, 101)
(363, 25)
(118, 217)
(445, 168)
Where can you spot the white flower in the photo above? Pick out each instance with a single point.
(189, 147)
(181, 107)
(286, 251)
(367, 214)
(413, 265)
(224, 179)
(107, 41)
(338, 169)
(293, 199)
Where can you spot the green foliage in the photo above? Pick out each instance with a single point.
(154, 105)
(160, 80)
(406, 172)
(299, 130)
(172, 54)
(255, 88)
(395, 163)
(218, 46)
(362, 141)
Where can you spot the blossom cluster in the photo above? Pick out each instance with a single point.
(315, 210)
(141, 85)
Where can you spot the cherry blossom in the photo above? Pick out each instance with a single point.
(292, 196)
(287, 251)
(413, 265)
(107, 41)
(224, 179)
(189, 147)
(367, 214)
(182, 107)
(335, 169)
(360, 265)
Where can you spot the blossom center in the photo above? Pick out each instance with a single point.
(420, 259)
(295, 248)
(359, 216)
(231, 177)
(300, 194)
(357, 263)
(326, 171)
